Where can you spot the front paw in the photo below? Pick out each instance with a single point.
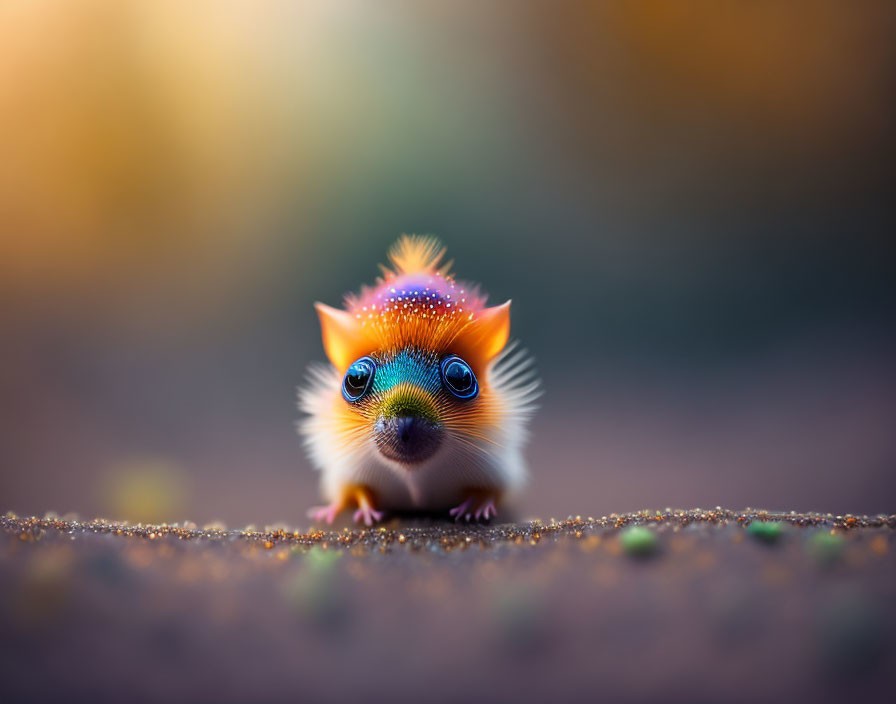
(352, 495)
(366, 512)
(479, 508)
(369, 515)
(325, 514)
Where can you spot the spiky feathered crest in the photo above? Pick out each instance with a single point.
(412, 254)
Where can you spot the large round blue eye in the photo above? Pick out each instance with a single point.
(458, 378)
(358, 379)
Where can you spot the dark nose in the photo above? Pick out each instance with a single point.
(407, 439)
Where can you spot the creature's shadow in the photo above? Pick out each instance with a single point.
(422, 519)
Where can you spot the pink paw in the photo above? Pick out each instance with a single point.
(483, 511)
(324, 514)
(460, 511)
(486, 510)
(368, 514)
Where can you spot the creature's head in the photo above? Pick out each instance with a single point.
(413, 360)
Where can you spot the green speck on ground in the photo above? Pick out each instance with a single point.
(766, 531)
(826, 548)
(638, 541)
(321, 560)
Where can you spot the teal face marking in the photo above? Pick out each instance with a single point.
(408, 366)
(411, 383)
(406, 384)
(404, 398)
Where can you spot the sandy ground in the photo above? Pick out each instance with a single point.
(671, 606)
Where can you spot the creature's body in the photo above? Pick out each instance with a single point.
(425, 405)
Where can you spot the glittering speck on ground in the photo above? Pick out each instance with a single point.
(708, 605)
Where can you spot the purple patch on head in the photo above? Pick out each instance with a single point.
(418, 293)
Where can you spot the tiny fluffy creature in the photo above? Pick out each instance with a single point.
(424, 405)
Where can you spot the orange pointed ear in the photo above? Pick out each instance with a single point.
(343, 339)
(494, 324)
(486, 337)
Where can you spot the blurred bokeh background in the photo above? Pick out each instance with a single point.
(689, 203)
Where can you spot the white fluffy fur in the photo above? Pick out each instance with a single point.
(462, 462)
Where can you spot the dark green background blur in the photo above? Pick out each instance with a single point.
(690, 205)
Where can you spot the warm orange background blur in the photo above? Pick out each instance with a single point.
(690, 204)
